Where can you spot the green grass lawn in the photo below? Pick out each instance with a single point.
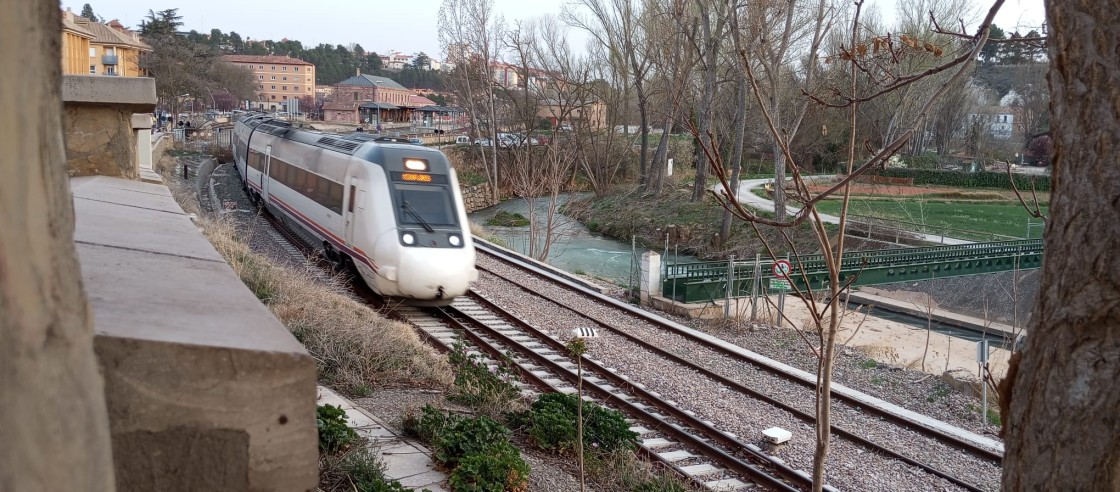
(1006, 218)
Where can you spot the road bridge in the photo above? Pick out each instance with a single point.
(707, 281)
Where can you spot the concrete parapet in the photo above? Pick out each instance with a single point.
(206, 390)
(138, 94)
(650, 277)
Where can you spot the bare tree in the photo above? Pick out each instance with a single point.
(469, 33)
(616, 25)
(823, 301)
(1063, 431)
(775, 28)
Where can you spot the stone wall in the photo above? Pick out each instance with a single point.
(99, 141)
(97, 123)
(477, 197)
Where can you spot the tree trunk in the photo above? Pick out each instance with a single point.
(711, 47)
(54, 426)
(779, 159)
(643, 119)
(1063, 431)
(740, 124)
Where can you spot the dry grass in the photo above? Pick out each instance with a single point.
(356, 349)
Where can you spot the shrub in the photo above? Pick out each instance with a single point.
(500, 469)
(969, 180)
(476, 450)
(358, 470)
(334, 434)
(552, 425)
(467, 436)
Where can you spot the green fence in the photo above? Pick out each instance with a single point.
(700, 282)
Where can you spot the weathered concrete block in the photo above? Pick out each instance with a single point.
(205, 389)
(99, 141)
(138, 93)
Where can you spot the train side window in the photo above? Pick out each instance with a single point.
(353, 191)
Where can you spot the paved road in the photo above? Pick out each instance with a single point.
(748, 198)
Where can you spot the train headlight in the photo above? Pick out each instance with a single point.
(416, 164)
(455, 240)
(408, 238)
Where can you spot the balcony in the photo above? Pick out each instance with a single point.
(108, 59)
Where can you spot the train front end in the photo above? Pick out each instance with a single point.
(434, 259)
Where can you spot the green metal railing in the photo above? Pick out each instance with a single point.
(699, 282)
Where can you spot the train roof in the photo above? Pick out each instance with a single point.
(343, 143)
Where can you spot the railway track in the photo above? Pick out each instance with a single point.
(682, 442)
(922, 428)
(694, 448)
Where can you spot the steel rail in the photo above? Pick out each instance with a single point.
(712, 452)
(954, 441)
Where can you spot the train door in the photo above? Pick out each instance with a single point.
(348, 211)
(264, 171)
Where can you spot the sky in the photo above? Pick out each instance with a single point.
(406, 26)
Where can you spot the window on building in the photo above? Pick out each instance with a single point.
(93, 69)
(273, 97)
(284, 88)
(110, 70)
(260, 87)
(274, 87)
(273, 68)
(284, 98)
(260, 77)
(284, 68)
(261, 67)
(273, 77)
(295, 79)
(308, 89)
(295, 88)
(308, 69)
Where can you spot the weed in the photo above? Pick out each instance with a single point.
(878, 381)
(488, 389)
(476, 450)
(868, 364)
(358, 470)
(363, 390)
(334, 434)
(994, 417)
(552, 425)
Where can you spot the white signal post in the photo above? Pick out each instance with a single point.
(781, 270)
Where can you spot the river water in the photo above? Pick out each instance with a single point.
(575, 248)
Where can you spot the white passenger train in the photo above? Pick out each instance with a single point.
(392, 210)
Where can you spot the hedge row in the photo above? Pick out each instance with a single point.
(968, 180)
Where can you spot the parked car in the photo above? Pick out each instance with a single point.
(462, 139)
(483, 142)
(416, 141)
(564, 127)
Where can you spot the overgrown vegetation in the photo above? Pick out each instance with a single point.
(490, 390)
(353, 346)
(476, 450)
(507, 219)
(551, 423)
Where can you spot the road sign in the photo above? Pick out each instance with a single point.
(782, 268)
(780, 284)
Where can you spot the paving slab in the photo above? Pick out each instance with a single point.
(406, 460)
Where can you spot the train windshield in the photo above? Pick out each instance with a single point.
(425, 206)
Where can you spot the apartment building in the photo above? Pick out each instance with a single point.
(110, 48)
(75, 46)
(279, 78)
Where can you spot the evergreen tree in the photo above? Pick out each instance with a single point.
(87, 12)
